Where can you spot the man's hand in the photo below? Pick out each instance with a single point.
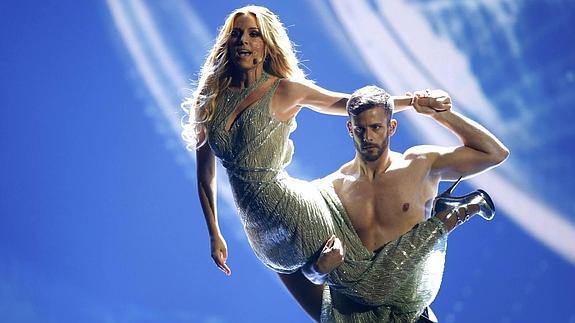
(331, 256)
(430, 102)
(220, 253)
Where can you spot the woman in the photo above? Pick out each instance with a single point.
(287, 221)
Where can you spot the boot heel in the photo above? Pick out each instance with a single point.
(446, 202)
(448, 191)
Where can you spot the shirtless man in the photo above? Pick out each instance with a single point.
(387, 193)
(394, 191)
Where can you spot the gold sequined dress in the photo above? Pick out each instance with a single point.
(288, 220)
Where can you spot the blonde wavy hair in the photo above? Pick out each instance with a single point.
(215, 74)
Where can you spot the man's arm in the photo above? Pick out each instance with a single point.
(480, 149)
(307, 294)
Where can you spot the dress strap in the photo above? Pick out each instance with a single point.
(249, 100)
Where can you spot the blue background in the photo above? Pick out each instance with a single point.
(99, 219)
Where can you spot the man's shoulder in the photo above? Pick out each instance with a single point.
(337, 176)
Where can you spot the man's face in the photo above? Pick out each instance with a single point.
(371, 131)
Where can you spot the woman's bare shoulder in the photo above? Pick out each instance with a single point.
(292, 86)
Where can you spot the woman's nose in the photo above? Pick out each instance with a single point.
(244, 38)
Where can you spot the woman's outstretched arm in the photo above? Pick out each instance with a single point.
(290, 96)
(207, 192)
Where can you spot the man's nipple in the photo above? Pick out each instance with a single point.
(405, 207)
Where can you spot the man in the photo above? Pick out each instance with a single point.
(387, 194)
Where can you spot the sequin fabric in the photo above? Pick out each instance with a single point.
(393, 284)
(288, 220)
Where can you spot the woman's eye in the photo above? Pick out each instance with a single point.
(255, 34)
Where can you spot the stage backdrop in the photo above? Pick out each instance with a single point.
(99, 219)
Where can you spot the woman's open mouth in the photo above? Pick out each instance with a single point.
(242, 53)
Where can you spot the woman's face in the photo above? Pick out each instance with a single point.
(246, 46)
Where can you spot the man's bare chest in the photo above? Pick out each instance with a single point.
(395, 199)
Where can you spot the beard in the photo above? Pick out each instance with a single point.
(370, 152)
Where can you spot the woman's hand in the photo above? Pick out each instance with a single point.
(220, 253)
(430, 102)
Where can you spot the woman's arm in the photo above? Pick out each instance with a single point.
(207, 192)
(290, 96)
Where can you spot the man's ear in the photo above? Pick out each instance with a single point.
(392, 126)
(349, 128)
